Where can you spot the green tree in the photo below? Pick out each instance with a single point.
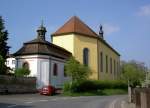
(2, 65)
(146, 82)
(4, 48)
(133, 72)
(76, 71)
(22, 72)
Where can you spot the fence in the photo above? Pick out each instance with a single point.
(141, 97)
(12, 84)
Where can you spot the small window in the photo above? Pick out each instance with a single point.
(25, 65)
(55, 69)
(86, 56)
(7, 62)
(13, 61)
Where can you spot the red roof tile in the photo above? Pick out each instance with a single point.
(75, 25)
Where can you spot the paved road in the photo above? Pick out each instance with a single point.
(38, 101)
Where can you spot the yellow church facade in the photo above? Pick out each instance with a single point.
(88, 48)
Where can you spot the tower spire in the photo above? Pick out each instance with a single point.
(41, 31)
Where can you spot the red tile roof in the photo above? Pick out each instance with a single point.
(75, 25)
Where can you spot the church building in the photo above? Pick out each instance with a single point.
(88, 48)
(46, 59)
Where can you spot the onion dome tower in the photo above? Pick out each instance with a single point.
(41, 32)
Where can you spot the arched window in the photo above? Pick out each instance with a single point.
(114, 67)
(106, 63)
(86, 56)
(25, 65)
(101, 60)
(55, 70)
(65, 74)
(110, 65)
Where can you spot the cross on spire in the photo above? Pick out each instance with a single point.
(42, 23)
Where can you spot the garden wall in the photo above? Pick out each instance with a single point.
(12, 84)
(141, 97)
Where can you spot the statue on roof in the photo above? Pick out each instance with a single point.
(101, 31)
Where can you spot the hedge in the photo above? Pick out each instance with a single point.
(95, 85)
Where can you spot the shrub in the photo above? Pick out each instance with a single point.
(95, 85)
(67, 87)
(78, 72)
(22, 72)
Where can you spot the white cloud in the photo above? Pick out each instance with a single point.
(110, 28)
(144, 10)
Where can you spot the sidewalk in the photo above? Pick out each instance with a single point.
(125, 104)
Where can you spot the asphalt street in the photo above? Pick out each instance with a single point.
(38, 101)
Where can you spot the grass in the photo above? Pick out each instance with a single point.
(97, 93)
(114, 91)
(80, 94)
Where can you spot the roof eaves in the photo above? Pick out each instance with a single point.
(109, 46)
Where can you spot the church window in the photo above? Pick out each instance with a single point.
(25, 65)
(101, 59)
(55, 69)
(117, 68)
(114, 67)
(110, 65)
(106, 63)
(86, 56)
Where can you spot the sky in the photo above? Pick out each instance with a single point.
(126, 23)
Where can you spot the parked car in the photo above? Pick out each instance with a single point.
(47, 90)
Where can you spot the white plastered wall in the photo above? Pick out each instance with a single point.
(41, 66)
